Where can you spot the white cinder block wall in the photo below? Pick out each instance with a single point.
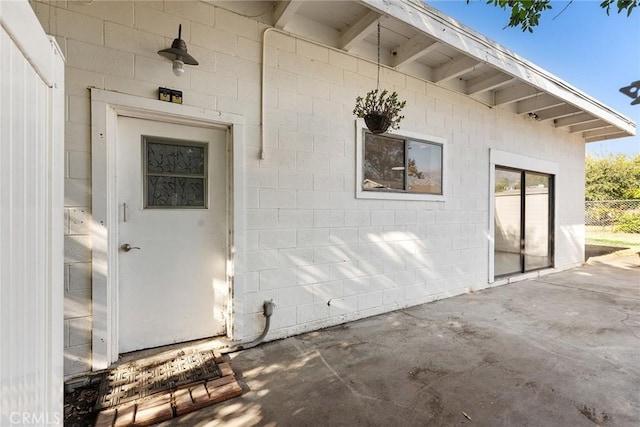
(322, 255)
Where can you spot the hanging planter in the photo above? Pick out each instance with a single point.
(377, 123)
(380, 110)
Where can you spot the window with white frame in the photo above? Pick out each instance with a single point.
(400, 166)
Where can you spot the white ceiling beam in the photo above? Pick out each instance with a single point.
(574, 120)
(557, 112)
(514, 94)
(413, 49)
(485, 83)
(538, 103)
(454, 68)
(605, 137)
(285, 10)
(609, 130)
(598, 124)
(360, 29)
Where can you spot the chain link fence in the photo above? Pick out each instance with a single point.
(612, 213)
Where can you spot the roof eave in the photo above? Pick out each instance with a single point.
(429, 21)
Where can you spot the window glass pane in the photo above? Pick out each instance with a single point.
(507, 218)
(175, 173)
(383, 163)
(175, 159)
(536, 227)
(424, 163)
(175, 191)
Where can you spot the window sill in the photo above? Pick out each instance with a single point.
(388, 195)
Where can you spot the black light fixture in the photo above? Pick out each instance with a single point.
(178, 54)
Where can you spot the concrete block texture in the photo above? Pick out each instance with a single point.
(324, 254)
(79, 331)
(77, 359)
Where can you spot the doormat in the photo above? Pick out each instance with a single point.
(146, 393)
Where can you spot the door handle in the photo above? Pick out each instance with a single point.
(127, 247)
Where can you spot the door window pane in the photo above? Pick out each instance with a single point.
(167, 191)
(175, 173)
(537, 252)
(175, 159)
(507, 222)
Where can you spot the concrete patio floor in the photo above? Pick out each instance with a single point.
(561, 350)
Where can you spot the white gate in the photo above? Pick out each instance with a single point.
(31, 220)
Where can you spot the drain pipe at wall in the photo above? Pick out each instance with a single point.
(262, 91)
(267, 311)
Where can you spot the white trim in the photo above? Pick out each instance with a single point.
(517, 161)
(382, 195)
(55, 297)
(105, 108)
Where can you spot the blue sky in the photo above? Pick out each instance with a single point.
(594, 52)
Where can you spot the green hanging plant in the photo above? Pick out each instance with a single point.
(380, 110)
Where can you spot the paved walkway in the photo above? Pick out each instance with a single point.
(563, 350)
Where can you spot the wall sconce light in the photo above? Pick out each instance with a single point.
(178, 54)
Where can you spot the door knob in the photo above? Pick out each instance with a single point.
(127, 247)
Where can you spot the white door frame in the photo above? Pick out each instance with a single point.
(106, 107)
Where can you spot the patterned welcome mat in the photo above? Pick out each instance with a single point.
(138, 393)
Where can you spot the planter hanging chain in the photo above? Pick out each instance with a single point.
(378, 81)
(380, 110)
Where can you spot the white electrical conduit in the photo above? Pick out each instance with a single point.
(264, 67)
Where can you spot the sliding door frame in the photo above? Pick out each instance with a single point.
(506, 160)
(522, 244)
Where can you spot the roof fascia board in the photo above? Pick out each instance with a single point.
(434, 24)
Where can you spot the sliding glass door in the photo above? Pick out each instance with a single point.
(523, 226)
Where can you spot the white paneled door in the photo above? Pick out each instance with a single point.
(172, 233)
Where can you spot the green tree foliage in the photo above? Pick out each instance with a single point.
(629, 223)
(612, 178)
(526, 13)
